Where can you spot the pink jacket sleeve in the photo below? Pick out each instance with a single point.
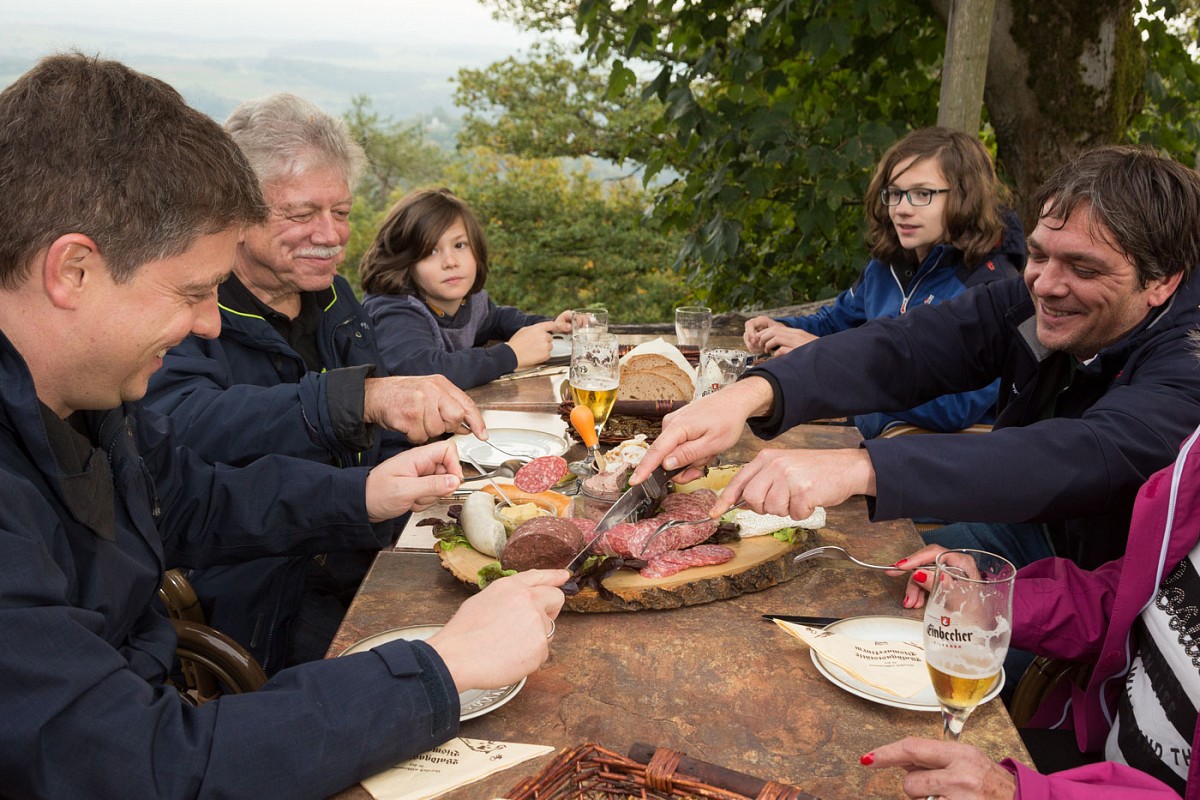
(1061, 610)
(1102, 780)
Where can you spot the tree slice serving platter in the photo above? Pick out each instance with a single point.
(759, 563)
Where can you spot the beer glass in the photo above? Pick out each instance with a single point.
(595, 373)
(718, 368)
(589, 320)
(692, 324)
(968, 624)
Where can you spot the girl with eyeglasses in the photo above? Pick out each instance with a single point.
(936, 226)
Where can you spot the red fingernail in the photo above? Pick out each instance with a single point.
(907, 602)
(901, 562)
(867, 760)
(919, 576)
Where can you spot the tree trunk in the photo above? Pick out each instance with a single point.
(968, 35)
(1082, 94)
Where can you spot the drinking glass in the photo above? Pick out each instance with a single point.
(595, 375)
(719, 367)
(589, 320)
(968, 624)
(692, 324)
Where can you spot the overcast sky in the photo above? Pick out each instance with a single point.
(413, 21)
(401, 53)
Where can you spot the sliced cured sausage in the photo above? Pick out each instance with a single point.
(674, 561)
(540, 474)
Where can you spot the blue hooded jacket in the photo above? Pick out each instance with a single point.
(883, 291)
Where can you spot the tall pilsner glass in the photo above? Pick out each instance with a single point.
(968, 624)
(595, 373)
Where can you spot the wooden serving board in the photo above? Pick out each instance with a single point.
(760, 563)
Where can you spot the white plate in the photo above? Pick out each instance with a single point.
(884, 629)
(473, 703)
(560, 346)
(519, 442)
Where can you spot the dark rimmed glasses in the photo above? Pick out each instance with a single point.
(916, 197)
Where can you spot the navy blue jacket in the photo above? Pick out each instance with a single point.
(409, 347)
(84, 711)
(247, 394)
(885, 291)
(1121, 418)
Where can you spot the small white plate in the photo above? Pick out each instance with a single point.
(518, 442)
(884, 629)
(473, 703)
(560, 347)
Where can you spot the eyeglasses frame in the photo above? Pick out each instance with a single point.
(906, 194)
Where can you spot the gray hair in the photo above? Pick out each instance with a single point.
(284, 135)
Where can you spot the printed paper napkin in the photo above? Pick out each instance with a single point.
(897, 668)
(453, 764)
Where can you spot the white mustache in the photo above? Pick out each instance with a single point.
(320, 252)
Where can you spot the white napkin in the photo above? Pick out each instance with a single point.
(897, 668)
(662, 347)
(753, 524)
(453, 764)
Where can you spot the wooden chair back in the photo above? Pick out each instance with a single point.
(212, 663)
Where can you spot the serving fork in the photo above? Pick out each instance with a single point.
(671, 523)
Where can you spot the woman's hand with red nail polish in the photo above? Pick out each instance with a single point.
(916, 588)
(944, 769)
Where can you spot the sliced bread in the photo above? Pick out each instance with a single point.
(662, 383)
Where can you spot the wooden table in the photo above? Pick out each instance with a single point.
(715, 681)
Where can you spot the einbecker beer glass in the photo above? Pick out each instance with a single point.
(968, 624)
(595, 375)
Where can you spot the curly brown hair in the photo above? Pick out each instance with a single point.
(974, 210)
(410, 232)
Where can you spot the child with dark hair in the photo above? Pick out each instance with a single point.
(423, 277)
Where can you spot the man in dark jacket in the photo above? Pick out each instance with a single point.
(1098, 382)
(294, 372)
(122, 210)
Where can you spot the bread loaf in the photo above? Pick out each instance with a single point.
(651, 376)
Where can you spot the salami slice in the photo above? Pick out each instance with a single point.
(616, 539)
(675, 538)
(540, 474)
(674, 561)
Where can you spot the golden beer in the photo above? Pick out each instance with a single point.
(961, 691)
(597, 397)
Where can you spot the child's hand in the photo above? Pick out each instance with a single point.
(562, 323)
(532, 343)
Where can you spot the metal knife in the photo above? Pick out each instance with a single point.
(645, 495)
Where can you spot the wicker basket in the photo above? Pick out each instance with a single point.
(592, 772)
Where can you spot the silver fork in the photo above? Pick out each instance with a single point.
(671, 523)
(494, 446)
(833, 551)
(488, 476)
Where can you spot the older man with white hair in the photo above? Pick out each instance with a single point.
(294, 372)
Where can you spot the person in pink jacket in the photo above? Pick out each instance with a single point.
(1138, 620)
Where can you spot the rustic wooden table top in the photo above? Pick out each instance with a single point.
(714, 681)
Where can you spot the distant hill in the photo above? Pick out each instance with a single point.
(215, 75)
